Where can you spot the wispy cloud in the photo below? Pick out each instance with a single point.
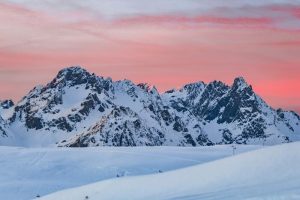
(283, 13)
(167, 42)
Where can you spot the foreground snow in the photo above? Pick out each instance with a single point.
(28, 172)
(269, 173)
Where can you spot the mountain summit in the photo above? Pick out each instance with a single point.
(80, 109)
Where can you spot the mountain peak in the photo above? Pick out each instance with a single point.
(74, 75)
(148, 88)
(72, 71)
(240, 83)
(240, 79)
(144, 86)
(190, 86)
(154, 91)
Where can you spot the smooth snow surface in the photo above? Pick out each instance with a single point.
(28, 172)
(268, 173)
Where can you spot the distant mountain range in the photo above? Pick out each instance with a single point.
(80, 109)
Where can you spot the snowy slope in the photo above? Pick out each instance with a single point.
(28, 172)
(81, 109)
(269, 173)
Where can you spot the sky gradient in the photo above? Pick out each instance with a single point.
(167, 43)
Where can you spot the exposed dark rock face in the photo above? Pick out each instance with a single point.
(227, 137)
(33, 122)
(6, 104)
(203, 140)
(2, 128)
(113, 130)
(61, 123)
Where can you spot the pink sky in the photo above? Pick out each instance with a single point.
(165, 45)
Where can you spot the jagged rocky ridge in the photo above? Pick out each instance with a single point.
(79, 109)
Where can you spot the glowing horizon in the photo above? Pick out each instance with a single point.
(162, 43)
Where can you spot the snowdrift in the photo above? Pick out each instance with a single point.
(28, 172)
(269, 173)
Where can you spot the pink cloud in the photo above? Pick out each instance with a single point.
(165, 50)
(184, 20)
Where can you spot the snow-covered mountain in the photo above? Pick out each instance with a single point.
(80, 109)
